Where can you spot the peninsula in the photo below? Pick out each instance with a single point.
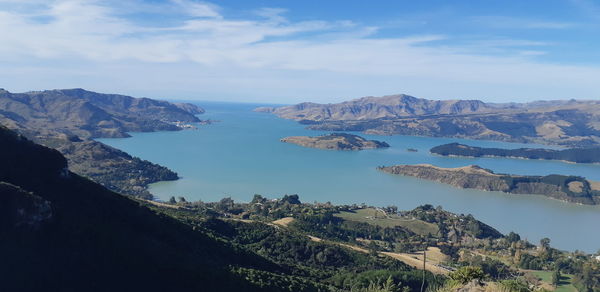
(336, 141)
(577, 155)
(573, 189)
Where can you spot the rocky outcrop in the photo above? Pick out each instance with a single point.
(566, 188)
(336, 141)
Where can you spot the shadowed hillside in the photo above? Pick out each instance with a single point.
(69, 119)
(67, 233)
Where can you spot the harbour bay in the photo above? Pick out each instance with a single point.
(241, 155)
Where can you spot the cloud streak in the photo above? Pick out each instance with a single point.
(201, 41)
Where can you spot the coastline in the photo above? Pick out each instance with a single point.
(477, 178)
(513, 157)
(312, 174)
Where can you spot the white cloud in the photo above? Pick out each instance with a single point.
(92, 44)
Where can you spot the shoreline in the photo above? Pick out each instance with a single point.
(514, 157)
(494, 176)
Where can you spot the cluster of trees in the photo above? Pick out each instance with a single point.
(578, 155)
(305, 264)
(562, 181)
(328, 226)
(299, 259)
(587, 277)
(459, 224)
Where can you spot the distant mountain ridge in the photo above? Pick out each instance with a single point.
(92, 115)
(69, 119)
(391, 106)
(572, 123)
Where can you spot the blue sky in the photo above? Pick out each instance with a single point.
(293, 51)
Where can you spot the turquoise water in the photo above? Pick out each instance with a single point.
(241, 155)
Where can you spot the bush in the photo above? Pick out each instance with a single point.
(467, 274)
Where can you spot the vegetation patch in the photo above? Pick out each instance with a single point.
(380, 218)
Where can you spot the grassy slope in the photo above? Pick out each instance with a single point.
(566, 281)
(379, 218)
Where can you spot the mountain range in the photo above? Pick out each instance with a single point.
(571, 123)
(89, 114)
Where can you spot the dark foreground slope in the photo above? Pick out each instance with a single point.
(62, 232)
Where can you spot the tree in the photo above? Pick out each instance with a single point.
(513, 237)
(545, 243)
(556, 278)
(392, 209)
(258, 199)
(390, 285)
(182, 200)
(587, 279)
(467, 274)
(172, 200)
(517, 285)
(225, 204)
(291, 199)
(373, 247)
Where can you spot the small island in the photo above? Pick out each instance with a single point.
(573, 189)
(336, 141)
(576, 155)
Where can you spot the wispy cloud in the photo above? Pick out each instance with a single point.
(200, 49)
(198, 9)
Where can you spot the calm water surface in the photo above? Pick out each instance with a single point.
(241, 155)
